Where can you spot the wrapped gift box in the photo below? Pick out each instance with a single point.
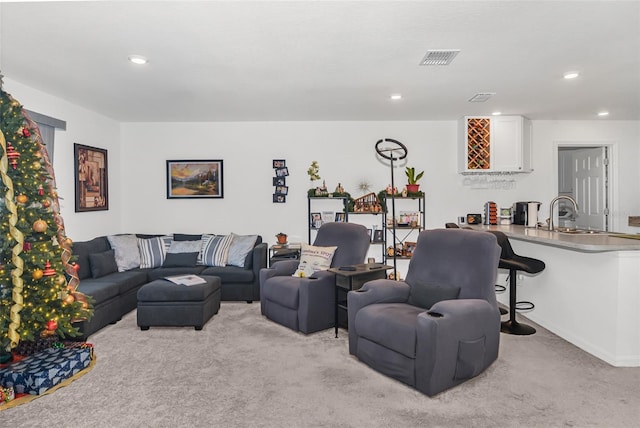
(39, 372)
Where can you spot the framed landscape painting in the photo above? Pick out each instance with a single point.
(194, 179)
(91, 178)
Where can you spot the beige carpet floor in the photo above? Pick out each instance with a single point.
(243, 370)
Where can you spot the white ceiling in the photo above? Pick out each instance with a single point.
(327, 60)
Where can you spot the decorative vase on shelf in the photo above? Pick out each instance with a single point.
(413, 188)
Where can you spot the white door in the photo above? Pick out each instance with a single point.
(590, 187)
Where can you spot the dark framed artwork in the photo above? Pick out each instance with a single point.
(91, 178)
(340, 217)
(279, 181)
(282, 190)
(282, 172)
(194, 179)
(279, 199)
(279, 163)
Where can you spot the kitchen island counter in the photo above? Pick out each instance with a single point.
(587, 242)
(589, 292)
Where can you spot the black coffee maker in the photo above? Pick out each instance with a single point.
(520, 213)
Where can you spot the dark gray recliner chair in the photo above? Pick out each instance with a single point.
(439, 327)
(306, 304)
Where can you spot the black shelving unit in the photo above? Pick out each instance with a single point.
(399, 234)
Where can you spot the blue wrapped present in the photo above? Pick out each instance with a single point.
(39, 372)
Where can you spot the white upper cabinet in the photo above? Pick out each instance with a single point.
(495, 144)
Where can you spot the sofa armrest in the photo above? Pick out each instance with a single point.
(259, 262)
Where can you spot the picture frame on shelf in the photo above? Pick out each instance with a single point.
(195, 179)
(340, 217)
(91, 178)
(315, 220)
(378, 235)
(408, 248)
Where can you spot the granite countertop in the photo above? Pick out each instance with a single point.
(593, 243)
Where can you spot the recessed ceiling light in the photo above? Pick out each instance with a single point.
(496, 113)
(603, 113)
(396, 97)
(138, 59)
(571, 74)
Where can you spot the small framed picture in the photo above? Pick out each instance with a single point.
(378, 235)
(340, 217)
(279, 181)
(408, 248)
(282, 190)
(316, 220)
(282, 172)
(279, 163)
(279, 199)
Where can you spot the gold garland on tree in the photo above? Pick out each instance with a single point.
(16, 273)
(63, 241)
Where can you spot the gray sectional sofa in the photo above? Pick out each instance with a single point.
(114, 292)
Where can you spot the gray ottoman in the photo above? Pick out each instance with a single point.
(163, 303)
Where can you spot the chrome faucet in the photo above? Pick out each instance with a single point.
(556, 199)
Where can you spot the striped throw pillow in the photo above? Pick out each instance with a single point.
(215, 250)
(153, 251)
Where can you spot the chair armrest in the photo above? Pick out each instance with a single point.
(379, 291)
(466, 335)
(376, 291)
(280, 268)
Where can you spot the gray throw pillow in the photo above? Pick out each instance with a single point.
(126, 250)
(241, 245)
(426, 295)
(180, 260)
(103, 263)
(185, 247)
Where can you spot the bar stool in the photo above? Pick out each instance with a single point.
(499, 287)
(514, 263)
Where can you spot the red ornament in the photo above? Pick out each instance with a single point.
(47, 269)
(76, 267)
(13, 155)
(25, 131)
(51, 325)
(40, 191)
(26, 246)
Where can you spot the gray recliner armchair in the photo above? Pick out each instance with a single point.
(308, 304)
(439, 327)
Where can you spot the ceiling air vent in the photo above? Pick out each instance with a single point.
(439, 56)
(481, 97)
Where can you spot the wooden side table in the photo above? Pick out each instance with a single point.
(353, 278)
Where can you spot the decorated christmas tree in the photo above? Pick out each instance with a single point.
(38, 279)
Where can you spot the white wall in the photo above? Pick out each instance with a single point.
(344, 150)
(345, 153)
(83, 127)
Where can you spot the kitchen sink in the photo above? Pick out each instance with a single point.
(577, 231)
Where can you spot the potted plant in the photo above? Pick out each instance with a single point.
(282, 238)
(412, 179)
